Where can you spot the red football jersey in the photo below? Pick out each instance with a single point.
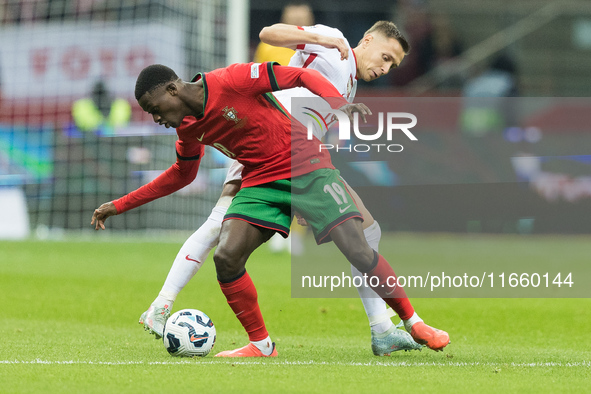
(244, 122)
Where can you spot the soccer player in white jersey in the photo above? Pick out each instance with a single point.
(326, 50)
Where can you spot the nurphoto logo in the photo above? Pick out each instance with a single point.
(395, 123)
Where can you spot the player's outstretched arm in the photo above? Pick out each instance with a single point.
(179, 175)
(168, 182)
(291, 77)
(289, 36)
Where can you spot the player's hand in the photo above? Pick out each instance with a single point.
(360, 108)
(101, 214)
(334, 42)
(301, 221)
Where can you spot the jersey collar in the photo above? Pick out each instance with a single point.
(196, 78)
(355, 57)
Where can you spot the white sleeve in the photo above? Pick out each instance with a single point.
(322, 30)
(234, 172)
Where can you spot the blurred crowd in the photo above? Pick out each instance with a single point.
(27, 11)
(435, 43)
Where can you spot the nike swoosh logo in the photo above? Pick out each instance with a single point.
(190, 259)
(200, 139)
(391, 291)
(341, 210)
(194, 338)
(239, 313)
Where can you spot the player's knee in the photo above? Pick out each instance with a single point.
(228, 263)
(360, 258)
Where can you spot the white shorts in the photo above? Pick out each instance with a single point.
(234, 172)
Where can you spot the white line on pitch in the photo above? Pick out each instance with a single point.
(320, 363)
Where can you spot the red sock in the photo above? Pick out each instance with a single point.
(400, 303)
(242, 298)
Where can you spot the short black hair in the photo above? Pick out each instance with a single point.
(389, 30)
(153, 77)
(298, 3)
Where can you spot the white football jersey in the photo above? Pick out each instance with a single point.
(341, 73)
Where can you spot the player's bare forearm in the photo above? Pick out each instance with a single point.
(282, 35)
(289, 36)
(102, 213)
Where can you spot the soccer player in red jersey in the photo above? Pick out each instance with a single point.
(230, 110)
(325, 49)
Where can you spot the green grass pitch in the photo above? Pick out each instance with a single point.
(70, 311)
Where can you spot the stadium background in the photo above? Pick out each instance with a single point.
(53, 52)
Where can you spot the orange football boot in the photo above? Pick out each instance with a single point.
(431, 337)
(249, 350)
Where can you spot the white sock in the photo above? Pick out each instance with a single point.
(410, 322)
(265, 346)
(165, 299)
(382, 327)
(193, 253)
(375, 307)
(373, 234)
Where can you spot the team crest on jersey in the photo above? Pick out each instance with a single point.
(231, 114)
